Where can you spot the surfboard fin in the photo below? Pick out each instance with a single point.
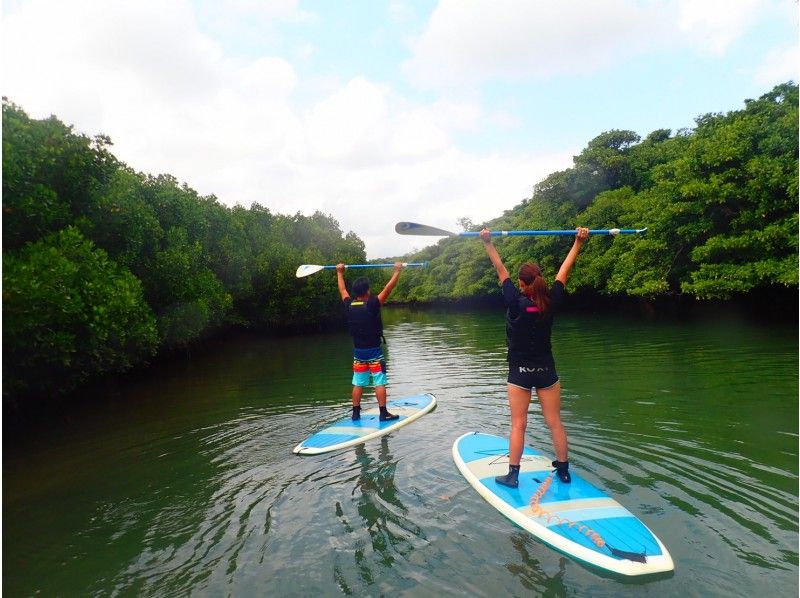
(631, 556)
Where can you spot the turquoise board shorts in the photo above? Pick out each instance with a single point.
(369, 363)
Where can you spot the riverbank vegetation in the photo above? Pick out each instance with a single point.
(105, 267)
(720, 202)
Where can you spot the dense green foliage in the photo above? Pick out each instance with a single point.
(104, 267)
(720, 202)
(69, 313)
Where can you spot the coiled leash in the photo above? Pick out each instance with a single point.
(595, 537)
(537, 510)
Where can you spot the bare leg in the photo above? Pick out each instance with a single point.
(358, 391)
(550, 400)
(519, 400)
(380, 394)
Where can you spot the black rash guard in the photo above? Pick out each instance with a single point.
(527, 330)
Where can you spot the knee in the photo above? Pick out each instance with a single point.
(519, 422)
(553, 422)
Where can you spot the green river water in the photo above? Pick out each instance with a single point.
(181, 481)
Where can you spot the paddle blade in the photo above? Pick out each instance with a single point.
(308, 270)
(412, 228)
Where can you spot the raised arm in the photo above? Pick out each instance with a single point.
(387, 290)
(491, 251)
(340, 281)
(581, 235)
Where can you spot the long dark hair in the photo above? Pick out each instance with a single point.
(535, 286)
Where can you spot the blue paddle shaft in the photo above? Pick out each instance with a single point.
(408, 265)
(544, 233)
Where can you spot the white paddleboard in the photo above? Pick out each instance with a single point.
(346, 432)
(576, 519)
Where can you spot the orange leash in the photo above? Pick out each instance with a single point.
(537, 510)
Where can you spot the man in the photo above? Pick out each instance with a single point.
(364, 321)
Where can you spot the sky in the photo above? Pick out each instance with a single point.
(380, 111)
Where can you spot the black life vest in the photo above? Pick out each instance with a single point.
(364, 320)
(528, 332)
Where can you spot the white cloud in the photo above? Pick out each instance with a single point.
(779, 65)
(251, 19)
(714, 24)
(173, 102)
(467, 43)
(349, 126)
(137, 54)
(434, 191)
(305, 51)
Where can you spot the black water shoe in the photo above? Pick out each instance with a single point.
(385, 416)
(511, 479)
(356, 413)
(562, 471)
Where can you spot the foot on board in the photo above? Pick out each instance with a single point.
(511, 479)
(562, 471)
(356, 413)
(386, 416)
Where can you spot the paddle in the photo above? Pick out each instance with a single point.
(309, 269)
(412, 228)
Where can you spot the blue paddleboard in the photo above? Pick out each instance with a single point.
(346, 432)
(576, 519)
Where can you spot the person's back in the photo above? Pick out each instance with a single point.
(364, 321)
(529, 319)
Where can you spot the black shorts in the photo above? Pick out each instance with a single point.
(531, 376)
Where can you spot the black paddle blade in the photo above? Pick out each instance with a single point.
(412, 228)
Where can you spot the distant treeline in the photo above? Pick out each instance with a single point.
(720, 202)
(104, 267)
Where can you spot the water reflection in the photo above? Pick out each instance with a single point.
(530, 571)
(384, 533)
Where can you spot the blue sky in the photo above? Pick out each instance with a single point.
(381, 111)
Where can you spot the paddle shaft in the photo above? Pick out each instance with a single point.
(413, 228)
(550, 233)
(405, 264)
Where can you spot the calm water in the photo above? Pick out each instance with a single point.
(183, 482)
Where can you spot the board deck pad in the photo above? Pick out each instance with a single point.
(346, 432)
(568, 514)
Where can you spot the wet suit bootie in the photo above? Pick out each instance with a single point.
(356, 413)
(386, 416)
(511, 479)
(562, 471)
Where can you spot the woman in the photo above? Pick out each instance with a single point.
(529, 321)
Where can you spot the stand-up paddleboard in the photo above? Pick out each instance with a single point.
(577, 518)
(346, 432)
